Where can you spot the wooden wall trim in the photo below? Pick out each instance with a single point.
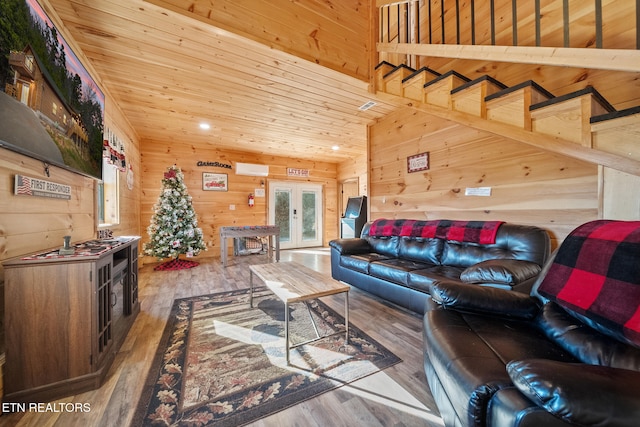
(605, 59)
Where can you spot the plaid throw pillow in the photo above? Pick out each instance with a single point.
(482, 232)
(596, 274)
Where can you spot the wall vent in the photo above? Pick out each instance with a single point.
(366, 105)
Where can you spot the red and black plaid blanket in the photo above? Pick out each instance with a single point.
(596, 273)
(482, 232)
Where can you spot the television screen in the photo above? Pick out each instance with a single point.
(50, 107)
(354, 204)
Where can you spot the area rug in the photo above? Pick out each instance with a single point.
(176, 264)
(222, 363)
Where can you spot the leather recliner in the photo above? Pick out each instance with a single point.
(567, 354)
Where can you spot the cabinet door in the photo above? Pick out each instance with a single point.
(133, 277)
(131, 290)
(104, 315)
(48, 338)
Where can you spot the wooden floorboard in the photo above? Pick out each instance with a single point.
(396, 396)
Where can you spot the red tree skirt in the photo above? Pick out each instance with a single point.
(176, 264)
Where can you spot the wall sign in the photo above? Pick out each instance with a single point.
(214, 164)
(419, 162)
(26, 186)
(214, 181)
(298, 172)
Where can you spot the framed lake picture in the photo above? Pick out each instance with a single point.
(214, 181)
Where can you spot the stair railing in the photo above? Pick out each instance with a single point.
(407, 28)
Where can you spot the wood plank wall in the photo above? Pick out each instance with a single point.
(332, 33)
(528, 186)
(353, 180)
(212, 207)
(358, 167)
(29, 224)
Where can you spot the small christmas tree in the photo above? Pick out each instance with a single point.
(174, 225)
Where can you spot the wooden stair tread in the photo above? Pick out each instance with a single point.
(618, 132)
(470, 97)
(400, 67)
(511, 105)
(519, 86)
(481, 79)
(616, 114)
(568, 116)
(381, 69)
(413, 84)
(589, 90)
(423, 70)
(394, 78)
(384, 63)
(444, 76)
(438, 91)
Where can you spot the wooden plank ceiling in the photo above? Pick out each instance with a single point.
(168, 70)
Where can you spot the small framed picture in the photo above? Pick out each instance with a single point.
(419, 162)
(214, 181)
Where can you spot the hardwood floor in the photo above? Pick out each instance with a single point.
(396, 396)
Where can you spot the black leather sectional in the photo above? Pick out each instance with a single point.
(401, 269)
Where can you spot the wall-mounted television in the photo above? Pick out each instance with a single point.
(51, 109)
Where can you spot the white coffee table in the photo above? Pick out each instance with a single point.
(292, 282)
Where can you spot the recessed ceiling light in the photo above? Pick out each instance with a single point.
(205, 126)
(335, 148)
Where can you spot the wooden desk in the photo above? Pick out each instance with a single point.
(249, 231)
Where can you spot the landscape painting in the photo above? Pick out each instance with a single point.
(50, 107)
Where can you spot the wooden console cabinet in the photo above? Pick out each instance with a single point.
(66, 317)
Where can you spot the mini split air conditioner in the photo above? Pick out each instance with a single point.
(250, 169)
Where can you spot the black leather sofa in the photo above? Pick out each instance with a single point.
(567, 354)
(399, 259)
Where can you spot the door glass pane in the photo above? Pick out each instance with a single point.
(282, 214)
(309, 221)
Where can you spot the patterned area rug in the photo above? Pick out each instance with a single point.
(221, 363)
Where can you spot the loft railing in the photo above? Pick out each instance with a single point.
(482, 26)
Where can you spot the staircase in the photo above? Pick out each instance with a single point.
(582, 124)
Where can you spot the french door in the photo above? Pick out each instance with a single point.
(296, 207)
